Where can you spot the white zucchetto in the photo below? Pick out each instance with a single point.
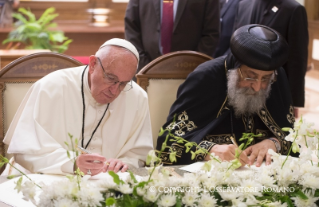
(122, 43)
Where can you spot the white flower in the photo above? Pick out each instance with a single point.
(291, 136)
(191, 179)
(151, 196)
(307, 167)
(65, 202)
(90, 196)
(29, 191)
(189, 198)
(250, 187)
(266, 179)
(310, 202)
(108, 183)
(238, 203)
(125, 188)
(140, 191)
(207, 200)
(167, 200)
(310, 181)
(277, 204)
(229, 195)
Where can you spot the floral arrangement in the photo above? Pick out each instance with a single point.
(287, 181)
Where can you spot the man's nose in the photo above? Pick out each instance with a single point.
(257, 85)
(115, 88)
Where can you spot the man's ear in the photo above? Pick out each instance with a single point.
(92, 63)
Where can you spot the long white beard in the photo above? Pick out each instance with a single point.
(244, 100)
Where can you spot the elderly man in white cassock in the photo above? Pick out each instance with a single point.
(98, 103)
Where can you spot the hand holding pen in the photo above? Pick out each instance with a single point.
(92, 164)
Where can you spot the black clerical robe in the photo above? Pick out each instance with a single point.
(204, 116)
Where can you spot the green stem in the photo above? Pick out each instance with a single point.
(23, 174)
(306, 141)
(289, 151)
(74, 158)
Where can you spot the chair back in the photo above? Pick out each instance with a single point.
(161, 79)
(17, 77)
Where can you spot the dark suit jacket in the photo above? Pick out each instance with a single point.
(290, 20)
(227, 19)
(196, 27)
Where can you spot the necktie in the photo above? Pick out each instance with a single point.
(167, 25)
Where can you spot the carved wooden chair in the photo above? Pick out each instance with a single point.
(18, 76)
(161, 79)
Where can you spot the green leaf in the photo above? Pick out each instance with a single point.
(67, 144)
(67, 42)
(28, 13)
(47, 12)
(161, 132)
(19, 184)
(116, 178)
(20, 17)
(132, 176)
(57, 37)
(178, 201)
(110, 201)
(300, 194)
(172, 156)
(68, 153)
(286, 129)
(11, 176)
(163, 146)
(193, 155)
(295, 147)
(188, 146)
(316, 193)
(287, 200)
(4, 159)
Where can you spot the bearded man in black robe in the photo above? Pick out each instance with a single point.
(244, 92)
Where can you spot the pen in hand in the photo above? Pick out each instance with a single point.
(234, 141)
(85, 151)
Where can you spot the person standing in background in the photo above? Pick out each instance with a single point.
(289, 18)
(227, 17)
(6, 10)
(157, 27)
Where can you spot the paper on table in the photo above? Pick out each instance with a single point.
(195, 167)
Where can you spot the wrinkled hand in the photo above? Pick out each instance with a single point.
(115, 165)
(260, 151)
(93, 162)
(227, 152)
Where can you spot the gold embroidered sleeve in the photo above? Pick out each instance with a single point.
(206, 145)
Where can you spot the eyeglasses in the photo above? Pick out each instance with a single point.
(263, 80)
(111, 80)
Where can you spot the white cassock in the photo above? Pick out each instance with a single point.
(53, 108)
